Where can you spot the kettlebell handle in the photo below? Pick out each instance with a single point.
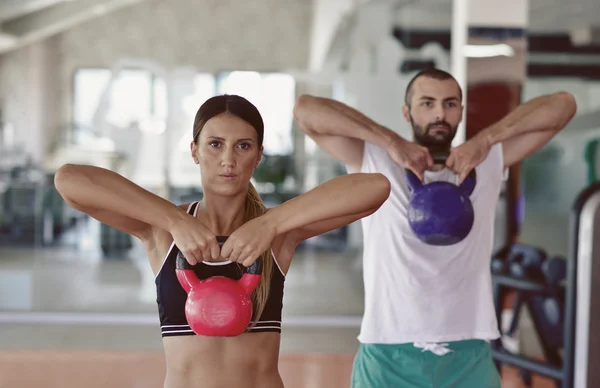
(440, 157)
(254, 269)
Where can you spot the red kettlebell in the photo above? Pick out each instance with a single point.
(218, 306)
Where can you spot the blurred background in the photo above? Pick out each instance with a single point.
(116, 84)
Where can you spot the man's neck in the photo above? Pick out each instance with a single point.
(441, 151)
(435, 149)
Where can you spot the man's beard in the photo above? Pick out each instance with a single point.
(440, 141)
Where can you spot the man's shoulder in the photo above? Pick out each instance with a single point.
(374, 154)
(493, 164)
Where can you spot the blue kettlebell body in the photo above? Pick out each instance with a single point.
(441, 213)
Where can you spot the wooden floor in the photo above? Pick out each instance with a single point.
(48, 369)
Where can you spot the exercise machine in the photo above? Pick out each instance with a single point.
(561, 297)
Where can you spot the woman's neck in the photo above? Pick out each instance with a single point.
(222, 215)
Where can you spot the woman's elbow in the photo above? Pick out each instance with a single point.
(302, 102)
(568, 102)
(64, 179)
(63, 175)
(382, 187)
(301, 108)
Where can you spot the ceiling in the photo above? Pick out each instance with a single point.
(12, 9)
(24, 21)
(544, 15)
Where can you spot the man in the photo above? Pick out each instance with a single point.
(429, 313)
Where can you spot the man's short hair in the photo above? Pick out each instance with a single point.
(430, 72)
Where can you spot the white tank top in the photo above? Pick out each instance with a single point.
(421, 293)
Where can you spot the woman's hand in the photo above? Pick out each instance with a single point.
(249, 241)
(194, 239)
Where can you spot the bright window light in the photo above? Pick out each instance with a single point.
(274, 95)
(488, 50)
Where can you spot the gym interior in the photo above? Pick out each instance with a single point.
(116, 84)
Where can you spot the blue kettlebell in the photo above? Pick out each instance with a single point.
(440, 213)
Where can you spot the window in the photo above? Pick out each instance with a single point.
(135, 97)
(203, 88)
(150, 119)
(183, 171)
(88, 88)
(274, 96)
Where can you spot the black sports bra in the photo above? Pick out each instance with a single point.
(171, 297)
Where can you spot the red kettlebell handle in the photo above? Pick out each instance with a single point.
(188, 278)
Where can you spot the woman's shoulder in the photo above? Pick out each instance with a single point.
(186, 206)
(160, 242)
(162, 236)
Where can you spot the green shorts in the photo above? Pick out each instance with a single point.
(468, 365)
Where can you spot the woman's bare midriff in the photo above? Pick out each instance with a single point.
(246, 361)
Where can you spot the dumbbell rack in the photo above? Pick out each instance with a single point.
(580, 364)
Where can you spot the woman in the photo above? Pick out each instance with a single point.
(227, 146)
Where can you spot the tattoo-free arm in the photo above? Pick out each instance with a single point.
(530, 126)
(331, 205)
(339, 129)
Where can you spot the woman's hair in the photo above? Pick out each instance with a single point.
(254, 207)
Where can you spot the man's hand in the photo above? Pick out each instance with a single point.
(467, 156)
(249, 241)
(411, 156)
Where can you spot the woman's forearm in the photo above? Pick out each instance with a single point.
(88, 187)
(345, 195)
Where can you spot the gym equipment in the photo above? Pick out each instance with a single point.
(590, 156)
(499, 265)
(537, 294)
(440, 213)
(32, 212)
(554, 270)
(114, 243)
(559, 294)
(525, 261)
(218, 306)
(21, 199)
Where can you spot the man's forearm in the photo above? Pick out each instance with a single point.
(545, 113)
(329, 117)
(387, 134)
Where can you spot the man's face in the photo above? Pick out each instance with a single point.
(435, 112)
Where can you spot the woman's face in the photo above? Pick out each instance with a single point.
(227, 152)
